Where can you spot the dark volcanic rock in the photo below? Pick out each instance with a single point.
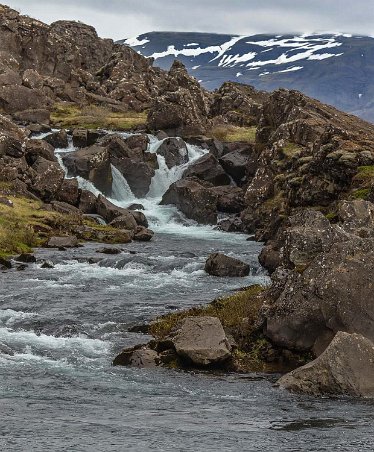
(345, 368)
(93, 164)
(193, 199)
(143, 234)
(26, 258)
(220, 265)
(87, 202)
(59, 140)
(208, 169)
(175, 152)
(125, 221)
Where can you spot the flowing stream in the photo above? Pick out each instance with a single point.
(59, 392)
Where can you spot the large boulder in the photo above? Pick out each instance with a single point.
(202, 341)
(219, 264)
(334, 293)
(87, 202)
(193, 199)
(38, 148)
(93, 164)
(117, 216)
(230, 199)
(235, 164)
(345, 368)
(174, 150)
(208, 169)
(46, 178)
(59, 140)
(138, 175)
(69, 192)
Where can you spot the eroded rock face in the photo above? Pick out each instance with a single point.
(333, 294)
(182, 106)
(219, 264)
(202, 341)
(193, 199)
(208, 169)
(345, 368)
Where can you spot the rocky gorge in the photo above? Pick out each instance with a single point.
(98, 146)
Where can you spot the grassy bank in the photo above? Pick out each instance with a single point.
(68, 115)
(230, 133)
(28, 224)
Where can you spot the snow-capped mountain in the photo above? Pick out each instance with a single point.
(336, 68)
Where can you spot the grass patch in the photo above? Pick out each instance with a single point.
(68, 115)
(232, 133)
(290, 149)
(18, 225)
(361, 193)
(238, 309)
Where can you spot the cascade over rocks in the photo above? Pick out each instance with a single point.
(345, 368)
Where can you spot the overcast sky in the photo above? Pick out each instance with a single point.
(119, 19)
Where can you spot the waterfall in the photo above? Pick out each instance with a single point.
(161, 218)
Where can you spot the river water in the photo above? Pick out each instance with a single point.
(59, 391)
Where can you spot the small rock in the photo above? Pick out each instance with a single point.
(109, 250)
(21, 267)
(47, 264)
(6, 202)
(135, 207)
(143, 234)
(5, 263)
(26, 258)
(5, 350)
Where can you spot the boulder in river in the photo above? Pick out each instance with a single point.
(193, 199)
(174, 150)
(137, 357)
(219, 264)
(124, 221)
(69, 241)
(345, 368)
(58, 139)
(202, 341)
(26, 258)
(143, 234)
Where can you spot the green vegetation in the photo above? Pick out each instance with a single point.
(290, 149)
(70, 115)
(23, 225)
(361, 193)
(231, 311)
(365, 172)
(232, 133)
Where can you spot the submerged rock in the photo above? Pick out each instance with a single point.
(202, 341)
(345, 368)
(218, 264)
(141, 356)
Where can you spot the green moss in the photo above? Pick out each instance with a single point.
(230, 310)
(366, 171)
(232, 133)
(94, 117)
(289, 150)
(361, 193)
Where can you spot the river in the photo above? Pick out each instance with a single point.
(59, 391)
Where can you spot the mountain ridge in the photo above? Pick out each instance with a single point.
(334, 68)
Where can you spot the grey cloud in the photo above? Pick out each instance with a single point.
(124, 18)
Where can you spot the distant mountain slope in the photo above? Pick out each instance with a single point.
(335, 68)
